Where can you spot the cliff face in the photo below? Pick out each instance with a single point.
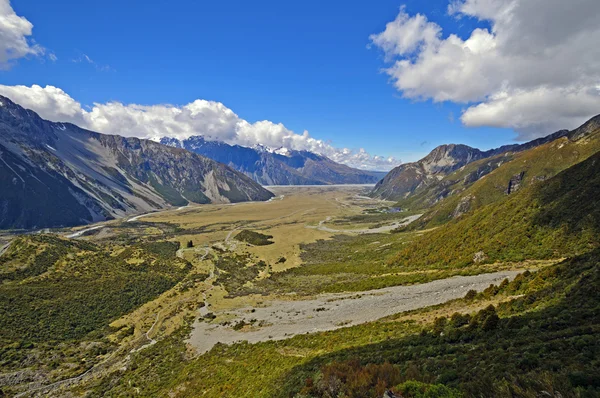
(55, 174)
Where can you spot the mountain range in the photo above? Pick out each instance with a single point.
(57, 174)
(454, 180)
(409, 178)
(277, 167)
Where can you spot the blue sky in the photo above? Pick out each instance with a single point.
(309, 65)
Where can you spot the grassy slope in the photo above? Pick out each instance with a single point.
(59, 293)
(542, 162)
(355, 263)
(556, 218)
(545, 339)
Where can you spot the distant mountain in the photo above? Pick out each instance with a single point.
(277, 167)
(411, 178)
(57, 174)
(495, 178)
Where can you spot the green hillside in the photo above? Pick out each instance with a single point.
(557, 218)
(487, 180)
(58, 297)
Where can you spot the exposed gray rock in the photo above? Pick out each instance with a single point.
(429, 172)
(479, 257)
(57, 174)
(463, 206)
(277, 167)
(514, 184)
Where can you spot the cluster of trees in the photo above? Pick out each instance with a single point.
(254, 238)
(350, 379)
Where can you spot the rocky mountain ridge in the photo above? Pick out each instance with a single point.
(409, 178)
(492, 179)
(277, 167)
(57, 174)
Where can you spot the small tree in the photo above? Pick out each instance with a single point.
(471, 294)
(190, 244)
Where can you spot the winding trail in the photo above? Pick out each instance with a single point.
(83, 231)
(97, 367)
(147, 334)
(4, 248)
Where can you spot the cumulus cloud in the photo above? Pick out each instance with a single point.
(536, 69)
(200, 117)
(14, 31)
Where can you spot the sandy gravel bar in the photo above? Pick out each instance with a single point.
(284, 319)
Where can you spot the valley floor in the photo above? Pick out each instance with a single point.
(325, 269)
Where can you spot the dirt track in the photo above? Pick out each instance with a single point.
(284, 319)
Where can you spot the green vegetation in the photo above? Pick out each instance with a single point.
(543, 336)
(254, 238)
(171, 195)
(546, 340)
(538, 335)
(354, 263)
(235, 272)
(558, 218)
(59, 293)
(350, 379)
(537, 164)
(379, 216)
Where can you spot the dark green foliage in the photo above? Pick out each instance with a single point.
(352, 263)
(417, 389)
(190, 244)
(79, 287)
(254, 238)
(164, 249)
(26, 258)
(352, 380)
(546, 340)
(234, 272)
(171, 195)
(196, 196)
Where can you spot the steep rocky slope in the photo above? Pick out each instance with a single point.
(279, 167)
(55, 174)
(494, 179)
(426, 176)
(554, 219)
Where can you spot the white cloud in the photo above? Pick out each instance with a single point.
(201, 117)
(84, 58)
(14, 31)
(534, 70)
